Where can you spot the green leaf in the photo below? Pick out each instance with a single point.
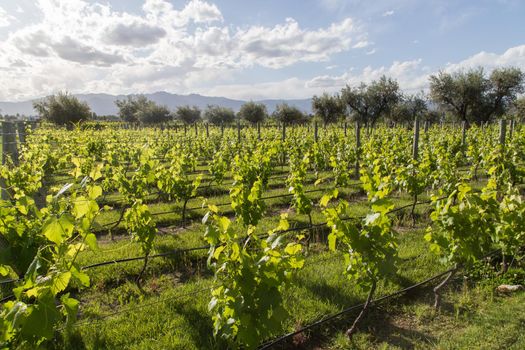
(332, 237)
(58, 229)
(94, 192)
(91, 241)
(60, 282)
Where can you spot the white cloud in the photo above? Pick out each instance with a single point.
(5, 19)
(388, 13)
(361, 44)
(134, 33)
(371, 52)
(162, 47)
(514, 56)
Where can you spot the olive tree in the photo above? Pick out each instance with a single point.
(129, 107)
(219, 115)
(472, 96)
(253, 112)
(328, 108)
(368, 103)
(408, 108)
(62, 108)
(187, 114)
(285, 113)
(139, 108)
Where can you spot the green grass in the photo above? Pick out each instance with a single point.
(171, 311)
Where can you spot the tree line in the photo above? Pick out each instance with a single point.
(470, 96)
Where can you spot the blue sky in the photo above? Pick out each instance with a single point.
(248, 49)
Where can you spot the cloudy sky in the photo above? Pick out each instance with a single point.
(247, 49)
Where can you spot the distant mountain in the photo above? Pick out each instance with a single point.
(104, 104)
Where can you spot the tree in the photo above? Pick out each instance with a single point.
(129, 107)
(140, 109)
(504, 84)
(409, 108)
(285, 113)
(328, 108)
(368, 103)
(62, 109)
(472, 97)
(188, 115)
(219, 115)
(518, 108)
(152, 113)
(253, 112)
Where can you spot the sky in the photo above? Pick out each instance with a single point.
(247, 49)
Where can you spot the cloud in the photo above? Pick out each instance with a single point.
(361, 44)
(287, 43)
(371, 52)
(160, 47)
(514, 56)
(5, 19)
(73, 50)
(32, 41)
(134, 33)
(388, 13)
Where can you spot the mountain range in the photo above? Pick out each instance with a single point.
(104, 104)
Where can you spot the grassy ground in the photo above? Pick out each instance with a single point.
(171, 312)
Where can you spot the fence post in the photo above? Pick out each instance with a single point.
(357, 147)
(207, 131)
(502, 131)
(21, 126)
(196, 131)
(426, 126)
(258, 131)
(284, 132)
(316, 132)
(238, 130)
(415, 145)
(9, 148)
(464, 133)
(345, 126)
(185, 129)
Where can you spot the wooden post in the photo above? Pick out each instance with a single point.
(259, 131)
(239, 130)
(222, 129)
(21, 126)
(284, 132)
(207, 131)
(464, 133)
(196, 131)
(426, 126)
(357, 147)
(185, 129)
(316, 132)
(415, 145)
(502, 131)
(345, 127)
(511, 130)
(9, 148)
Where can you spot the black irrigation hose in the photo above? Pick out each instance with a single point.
(205, 247)
(161, 255)
(7, 298)
(326, 319)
